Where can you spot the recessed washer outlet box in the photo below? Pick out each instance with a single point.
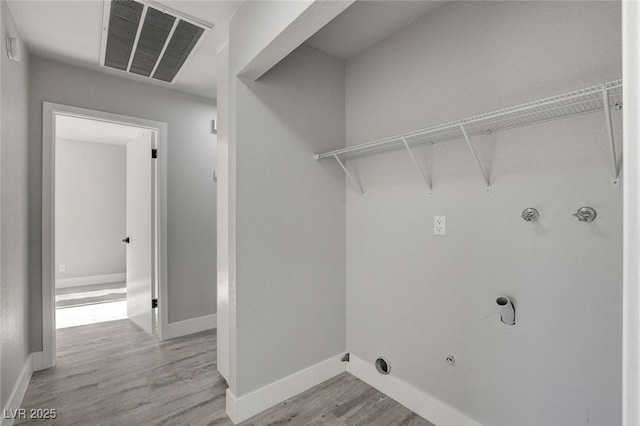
(148, 40)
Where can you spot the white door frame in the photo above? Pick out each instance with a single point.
(631, 167)
(49, 110)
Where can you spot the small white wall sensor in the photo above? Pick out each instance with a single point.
(13, 48)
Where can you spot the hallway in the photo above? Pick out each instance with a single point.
(112, 373)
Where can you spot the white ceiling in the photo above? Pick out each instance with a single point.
(365, 23)
(70, 31)
(95, 131)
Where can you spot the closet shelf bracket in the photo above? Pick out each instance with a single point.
(476, 159)
(353, 181)
(422, 172)
(615, 172)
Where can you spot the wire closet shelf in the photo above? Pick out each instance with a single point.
(605, 96)
(578, 102)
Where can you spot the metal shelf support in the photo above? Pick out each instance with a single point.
(475, 157)
(353, 181)
(612, 147)
(422, 172)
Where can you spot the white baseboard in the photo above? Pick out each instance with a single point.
(17, 393)
(246, 406)
(39, 361)
(93, 279)
(190, 326)
(423, 404)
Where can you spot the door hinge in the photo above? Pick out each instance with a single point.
(154, 153)
(154, 303)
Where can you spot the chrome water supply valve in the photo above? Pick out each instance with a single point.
(530, 214)
(586, 214)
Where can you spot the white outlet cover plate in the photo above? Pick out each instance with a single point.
(439, 225)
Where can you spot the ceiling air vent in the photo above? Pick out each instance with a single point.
(148, 40)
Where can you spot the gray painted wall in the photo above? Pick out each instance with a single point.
(290, 255)
(90, 208)
(191, 190)
(14, 273)
(414, 297)
(249, 44)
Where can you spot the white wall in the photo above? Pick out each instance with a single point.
(273, 29)
(14, 272)
(191, 190)
(249, 44)
(290, 219)
(414, 297)
(280, 291)
(90, 208)
(631, 290)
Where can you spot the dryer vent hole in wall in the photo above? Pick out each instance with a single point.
(383, 366)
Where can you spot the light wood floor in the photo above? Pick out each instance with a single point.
(90, 304)
(91, 294)
(114, 374)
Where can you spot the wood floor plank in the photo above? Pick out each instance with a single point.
(92, 287)
(70, 297)
(114, 374)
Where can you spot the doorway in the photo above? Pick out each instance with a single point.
(103, 221)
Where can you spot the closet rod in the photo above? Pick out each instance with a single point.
(577, 102)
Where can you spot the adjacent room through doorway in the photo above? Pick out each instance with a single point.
(104, 216)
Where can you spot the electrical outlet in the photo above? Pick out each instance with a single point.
(439, 225)
(62, 268)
